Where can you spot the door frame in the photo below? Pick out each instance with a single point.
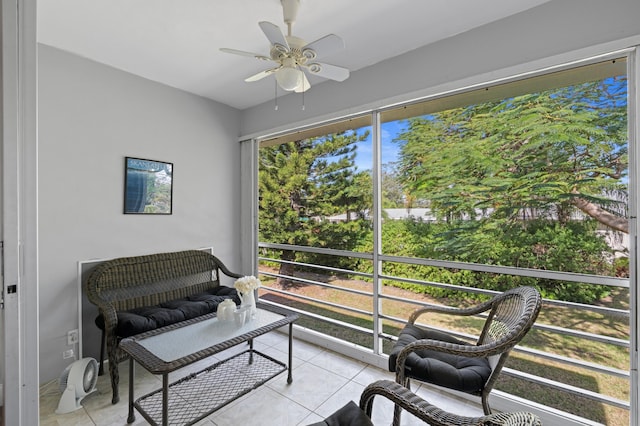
(19, 215)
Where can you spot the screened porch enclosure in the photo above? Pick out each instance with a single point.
(452, 199)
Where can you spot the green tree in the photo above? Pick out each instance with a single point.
(302, 185)
(392, 190)
(540, 154)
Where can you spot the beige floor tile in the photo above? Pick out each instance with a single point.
(370, 374)
(322, 383)
(301, 349)
(351, 391)
(311, 386)
(277, 354)
(311, 419)
(338, 364)
(273, 339)
(263, 407)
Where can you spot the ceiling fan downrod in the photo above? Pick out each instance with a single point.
(290, 12)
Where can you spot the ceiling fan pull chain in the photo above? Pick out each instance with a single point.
(276, 96)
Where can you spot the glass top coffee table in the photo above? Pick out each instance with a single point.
(196, 396)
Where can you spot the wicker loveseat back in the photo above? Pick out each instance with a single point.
(128, 286)
(133, 282)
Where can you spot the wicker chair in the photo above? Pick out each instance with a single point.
(403, 398)
(438, 358)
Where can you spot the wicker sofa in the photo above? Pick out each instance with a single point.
(141, 293)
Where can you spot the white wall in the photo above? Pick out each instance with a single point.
(551, 29)
(90, 117)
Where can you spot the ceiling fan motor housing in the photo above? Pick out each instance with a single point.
(296, 51)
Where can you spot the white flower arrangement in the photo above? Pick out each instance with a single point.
(246, 284)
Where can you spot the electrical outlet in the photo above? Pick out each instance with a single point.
(67, 354)
(72, 337)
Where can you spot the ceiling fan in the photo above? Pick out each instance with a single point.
(294, 56)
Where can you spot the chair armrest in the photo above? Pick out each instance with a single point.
(226, 270)
(433, 415)
(400, 396)
(109, 316)
(474, 310)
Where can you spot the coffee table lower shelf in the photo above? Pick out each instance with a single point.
(196, 396)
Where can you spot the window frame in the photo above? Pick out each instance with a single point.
(633, 72)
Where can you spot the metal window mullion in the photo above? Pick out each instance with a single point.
(633, 119)
(249, 196)
(377, 231)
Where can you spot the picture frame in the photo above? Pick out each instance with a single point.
(148, 186)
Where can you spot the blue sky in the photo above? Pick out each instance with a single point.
(389, 149)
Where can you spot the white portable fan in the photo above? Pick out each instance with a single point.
(294, 56)
(76, 382)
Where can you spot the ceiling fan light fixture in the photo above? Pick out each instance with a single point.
(293, 56)
(289, 78)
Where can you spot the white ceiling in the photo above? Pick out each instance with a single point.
(176, 42)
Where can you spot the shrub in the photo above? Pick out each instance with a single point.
(536, 244)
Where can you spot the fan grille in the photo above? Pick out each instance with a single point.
(90, 378)
(89, 375)
(64, 377)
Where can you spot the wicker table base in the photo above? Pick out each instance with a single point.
(196, 396)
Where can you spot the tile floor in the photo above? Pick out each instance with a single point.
(323, 381)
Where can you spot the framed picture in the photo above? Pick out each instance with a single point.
(148, 186)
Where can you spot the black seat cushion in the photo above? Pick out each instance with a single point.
(349, 415)
(442, 369)
(148, 318)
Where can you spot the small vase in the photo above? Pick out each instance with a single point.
(248, 299)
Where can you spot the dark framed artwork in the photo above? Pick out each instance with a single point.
(148, 186)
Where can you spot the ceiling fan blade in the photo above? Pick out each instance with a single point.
(331, 72)
(243, 53)
(261, 75)
(273, 33)
(304, 86)
(325, 46)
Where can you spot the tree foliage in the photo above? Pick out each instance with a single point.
(535, 155)
(302, 184)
